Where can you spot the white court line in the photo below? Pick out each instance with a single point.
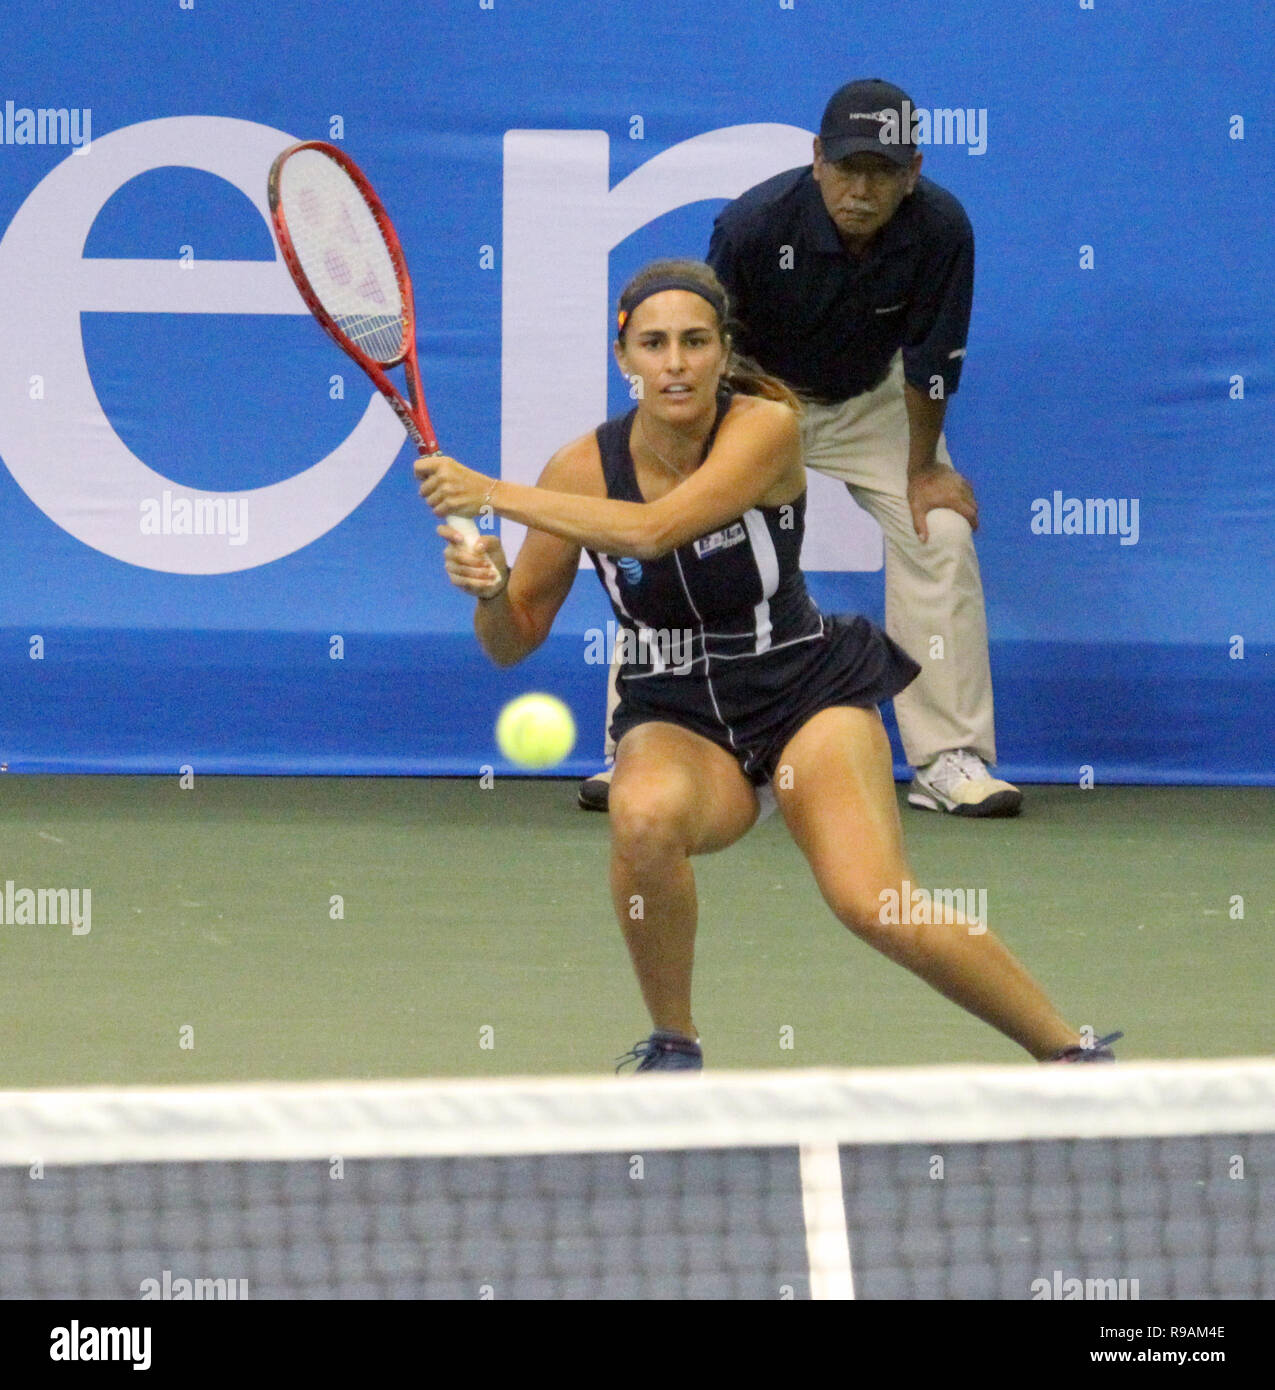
(827, 1239)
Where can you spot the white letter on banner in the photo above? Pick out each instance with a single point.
(74, 466)
(561, 222)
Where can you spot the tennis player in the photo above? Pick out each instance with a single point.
(735, 687)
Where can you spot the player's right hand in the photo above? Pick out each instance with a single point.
(480, 570)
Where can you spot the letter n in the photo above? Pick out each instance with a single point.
(561, 221)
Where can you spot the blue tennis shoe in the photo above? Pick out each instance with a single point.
(1098, 1051)
(664, 1051)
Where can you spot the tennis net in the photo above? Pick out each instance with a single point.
(1132, 1181)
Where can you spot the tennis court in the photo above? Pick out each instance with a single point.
(468, 908)
(263, 965)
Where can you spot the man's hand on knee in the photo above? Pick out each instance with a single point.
(939, 486)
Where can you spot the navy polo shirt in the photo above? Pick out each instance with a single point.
(829, 322)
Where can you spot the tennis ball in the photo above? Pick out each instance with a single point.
(536, 731)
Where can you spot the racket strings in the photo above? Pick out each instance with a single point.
(343, 253)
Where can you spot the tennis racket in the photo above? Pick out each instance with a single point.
(341, 249)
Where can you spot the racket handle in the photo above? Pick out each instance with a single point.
(465, 525)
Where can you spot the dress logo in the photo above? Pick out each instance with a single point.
(720, 540)
(632, 569)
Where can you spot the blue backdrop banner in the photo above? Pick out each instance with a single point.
(215, 555)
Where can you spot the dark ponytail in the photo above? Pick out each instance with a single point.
(742, 374)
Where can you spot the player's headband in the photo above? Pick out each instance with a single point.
(668, 282)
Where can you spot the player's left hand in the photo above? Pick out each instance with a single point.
(480, 569)
(450, 488)
(940, 486)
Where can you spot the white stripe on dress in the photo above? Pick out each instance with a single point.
(611, 578)
(708, 665)
(767, 561)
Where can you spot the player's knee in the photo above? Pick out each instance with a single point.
(861, 911)
(883, 920)
(647, 823)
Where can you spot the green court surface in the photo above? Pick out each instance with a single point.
(477, 936)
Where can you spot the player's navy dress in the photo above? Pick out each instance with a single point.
(721, 637)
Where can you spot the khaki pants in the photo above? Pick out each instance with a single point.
(933, 592)
(932, 589)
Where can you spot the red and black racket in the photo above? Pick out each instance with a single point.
(341, 249)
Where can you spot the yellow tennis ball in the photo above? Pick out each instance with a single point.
(536, 731)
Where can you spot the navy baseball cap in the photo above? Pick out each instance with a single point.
(857, 118)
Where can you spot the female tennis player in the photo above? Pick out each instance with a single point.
(691, 507)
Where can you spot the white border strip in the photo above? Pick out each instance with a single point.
(823, 1203)
(675, 1111)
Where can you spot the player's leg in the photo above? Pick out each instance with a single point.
(839, 804)
(673, 795)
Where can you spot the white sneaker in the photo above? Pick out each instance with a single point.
(958, 782)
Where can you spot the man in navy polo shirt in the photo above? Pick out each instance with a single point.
(852, 280)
